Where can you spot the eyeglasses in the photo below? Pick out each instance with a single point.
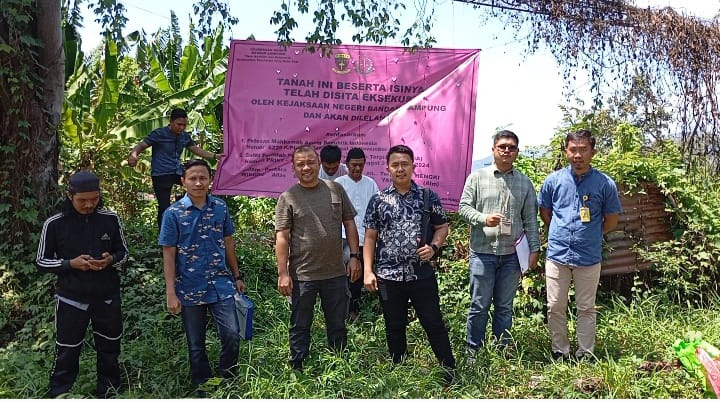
(504, 147)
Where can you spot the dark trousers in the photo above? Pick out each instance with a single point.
(425, 299)
(354, 287)
(334, 301)
(162, 186)
(71, 323)
(355, 293)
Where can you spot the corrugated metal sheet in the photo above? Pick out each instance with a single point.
(644, 222)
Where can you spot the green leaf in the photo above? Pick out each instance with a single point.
(188, 66)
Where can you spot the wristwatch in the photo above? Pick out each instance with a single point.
(240, 277)
(435, 248)
(356, 255)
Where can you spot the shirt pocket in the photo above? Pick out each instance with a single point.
(185, 227)
(336, 205)
(593, 201)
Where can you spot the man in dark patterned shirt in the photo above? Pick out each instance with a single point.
(393, 223)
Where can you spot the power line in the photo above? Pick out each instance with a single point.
(596, 6)
(152, 12)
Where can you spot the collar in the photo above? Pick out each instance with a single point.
(586, 174)
(187, 202)
(315, 187)
(413, 188)
(496, 170)
(362, 177)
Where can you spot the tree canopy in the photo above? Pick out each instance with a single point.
(675, 54)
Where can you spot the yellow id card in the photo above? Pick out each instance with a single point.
(584, 214)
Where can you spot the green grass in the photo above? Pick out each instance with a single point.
(154, 355)
(155, 361)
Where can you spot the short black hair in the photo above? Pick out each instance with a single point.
(330, 153)
(400, 149)
(355, 153)
(505, 134)
(302, 149)
(196, 162)
(178, 114)
(580, 135)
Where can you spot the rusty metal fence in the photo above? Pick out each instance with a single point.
(644, 222)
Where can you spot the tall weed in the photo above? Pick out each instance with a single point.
(155, 364)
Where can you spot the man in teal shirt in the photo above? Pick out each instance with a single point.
(168, 144)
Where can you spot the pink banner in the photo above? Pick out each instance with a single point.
(360, 96)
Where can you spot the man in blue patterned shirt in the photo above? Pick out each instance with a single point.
(198, 248)
(402, 271)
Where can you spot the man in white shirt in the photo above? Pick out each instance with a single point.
(359, 189)
(330, 166)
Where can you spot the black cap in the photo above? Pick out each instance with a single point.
(83, 182)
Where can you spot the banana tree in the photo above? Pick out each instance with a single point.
(172, 78)
(91, 102)
(98, 92)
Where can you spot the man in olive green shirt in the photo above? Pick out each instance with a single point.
(500, 204)
(308, 218)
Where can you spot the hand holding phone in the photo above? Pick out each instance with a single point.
(100, 262)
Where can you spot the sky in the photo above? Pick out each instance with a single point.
(515, 91)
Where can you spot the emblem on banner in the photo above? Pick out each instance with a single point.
(365, 65)
(342, 63)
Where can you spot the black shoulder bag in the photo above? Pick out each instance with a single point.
(428, 230)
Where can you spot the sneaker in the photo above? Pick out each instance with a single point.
(296, 365)
(206, 389)
(584, 356)
(399, 358)
(449, 378)
(470, 355)
(560, 356)
(507, 353)
(353, 316)
(108, 393)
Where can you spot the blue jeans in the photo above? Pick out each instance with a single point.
(493, 280)
(194, 320)
(334, 296)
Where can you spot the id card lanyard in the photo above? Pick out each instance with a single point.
(584, 210)
(506, 222)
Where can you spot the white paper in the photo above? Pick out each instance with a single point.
(522, 248)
